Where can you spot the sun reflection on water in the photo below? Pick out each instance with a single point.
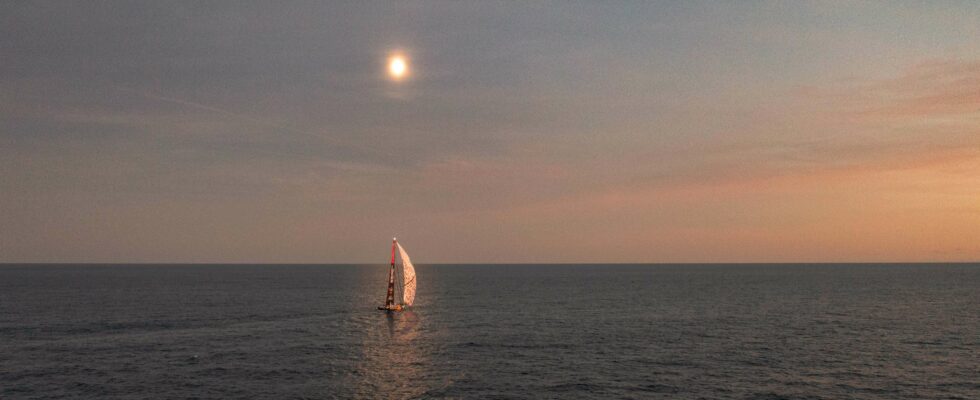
(392, 366)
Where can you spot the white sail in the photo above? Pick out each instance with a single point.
(408, 278)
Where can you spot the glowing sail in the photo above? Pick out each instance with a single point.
(408, 278)
(402, 279)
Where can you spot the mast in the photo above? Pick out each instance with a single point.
(390, 298)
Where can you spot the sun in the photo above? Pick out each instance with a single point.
(397, 67)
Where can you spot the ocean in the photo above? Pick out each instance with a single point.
(763, 331)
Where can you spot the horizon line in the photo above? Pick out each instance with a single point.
(493, 263)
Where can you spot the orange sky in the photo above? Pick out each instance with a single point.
(684, 132)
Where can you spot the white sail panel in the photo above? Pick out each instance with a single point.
(408, 277)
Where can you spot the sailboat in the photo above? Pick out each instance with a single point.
(403, 278)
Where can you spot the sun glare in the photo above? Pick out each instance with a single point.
(397, 67)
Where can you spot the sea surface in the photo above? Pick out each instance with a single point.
(829, 331)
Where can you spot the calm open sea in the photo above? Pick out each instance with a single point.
(882, 331)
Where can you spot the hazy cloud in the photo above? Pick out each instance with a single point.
(230, 131)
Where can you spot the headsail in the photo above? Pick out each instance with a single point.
(408, 278)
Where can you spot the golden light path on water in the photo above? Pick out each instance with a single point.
(390, 360)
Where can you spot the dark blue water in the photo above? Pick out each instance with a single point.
(492, 331)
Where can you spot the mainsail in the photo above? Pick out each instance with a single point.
(408, 278)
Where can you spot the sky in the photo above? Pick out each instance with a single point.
(269, 132)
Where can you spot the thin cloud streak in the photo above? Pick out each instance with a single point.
(253, 120)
